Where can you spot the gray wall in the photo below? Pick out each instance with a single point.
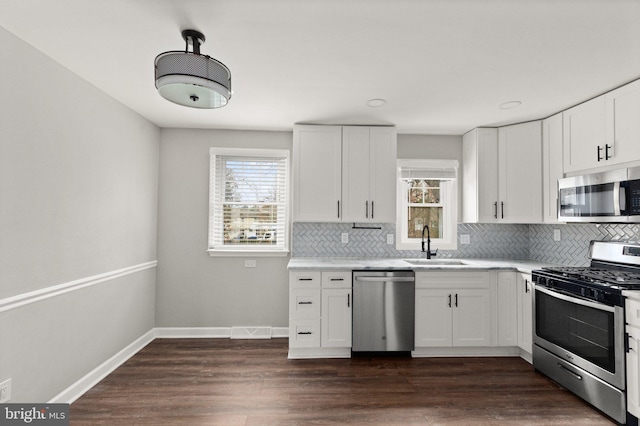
(78, 198)
(194, 289)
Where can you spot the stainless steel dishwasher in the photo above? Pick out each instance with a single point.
(383, 311)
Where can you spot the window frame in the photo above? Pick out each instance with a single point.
(240, 250)
(448, 198)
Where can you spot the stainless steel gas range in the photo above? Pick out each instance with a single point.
(579, 322)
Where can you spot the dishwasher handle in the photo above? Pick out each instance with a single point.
(385, 279)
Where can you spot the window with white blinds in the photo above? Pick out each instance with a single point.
(248, 200)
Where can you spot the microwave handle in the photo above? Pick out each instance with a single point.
(617, 199)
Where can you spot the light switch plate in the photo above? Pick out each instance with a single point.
(465, 239)
(344, 237)
(250, 263)
(556, 235)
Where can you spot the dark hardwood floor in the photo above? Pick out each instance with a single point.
(251, 382)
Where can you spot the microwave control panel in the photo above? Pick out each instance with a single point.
(634, 197)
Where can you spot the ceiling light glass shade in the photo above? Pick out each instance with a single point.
(191, 79)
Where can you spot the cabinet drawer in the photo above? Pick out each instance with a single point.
(304, 333)
(304, 279)
(337, 279)
(632, 312)
(304, 303)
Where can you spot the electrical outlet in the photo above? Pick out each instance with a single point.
(465, 239)
(344, 237)
(556, 235)
(390, 239)
(5, 391)
(251, 263)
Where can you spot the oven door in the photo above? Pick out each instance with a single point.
(587, 334)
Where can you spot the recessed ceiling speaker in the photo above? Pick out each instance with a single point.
(191, 78)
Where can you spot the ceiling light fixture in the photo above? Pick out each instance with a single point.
(375, 103)
(190, 78)
(510, 105)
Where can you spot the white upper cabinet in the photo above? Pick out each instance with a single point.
(368, 174)
(551, 166)
(480, 175)
(502, 174)
(520, 174)
(584, 136)
(604, 131)
(623, 123)
(317, 168)
(344, 174)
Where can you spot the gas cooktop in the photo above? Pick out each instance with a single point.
(616, 279)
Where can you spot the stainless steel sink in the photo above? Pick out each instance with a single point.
(435, 262)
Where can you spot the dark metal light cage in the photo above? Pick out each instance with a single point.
(192, 64)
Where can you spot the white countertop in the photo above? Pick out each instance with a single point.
(328, 263)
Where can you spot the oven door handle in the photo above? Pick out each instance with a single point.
(576, 300)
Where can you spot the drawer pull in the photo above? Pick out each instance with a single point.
(304, 332)
(336, 279)
(305, 303)
(305, 279)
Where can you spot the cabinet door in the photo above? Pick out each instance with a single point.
(383, 153)
(336, 318)
(433, 326)
(520, 173)
(525, 312)
(584, 135)
(507, 309)
(623, 123)
(472, 317)
(355, 174)
(317, 168)
(633, 371)
(551, 166)
(480, 175)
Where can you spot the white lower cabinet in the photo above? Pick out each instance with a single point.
(320, 314)
(453, 309)
(524, 288)
(507, 309)
(632, 313)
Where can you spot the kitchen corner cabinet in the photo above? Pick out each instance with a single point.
(344, 174)
(320, 314)
(453, 309)
(551, 166)
(502, 174)
(369, 174)
(603, 131)
(524, 287)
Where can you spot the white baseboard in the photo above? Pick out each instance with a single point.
(76, 390)
(193, 332)
(468, 351)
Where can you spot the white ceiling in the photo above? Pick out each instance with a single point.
(444, 66)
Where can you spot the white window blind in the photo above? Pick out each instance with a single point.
(248, 200)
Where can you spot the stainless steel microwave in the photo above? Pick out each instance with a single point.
(612, 196)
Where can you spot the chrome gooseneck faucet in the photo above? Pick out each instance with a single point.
(428, 250)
